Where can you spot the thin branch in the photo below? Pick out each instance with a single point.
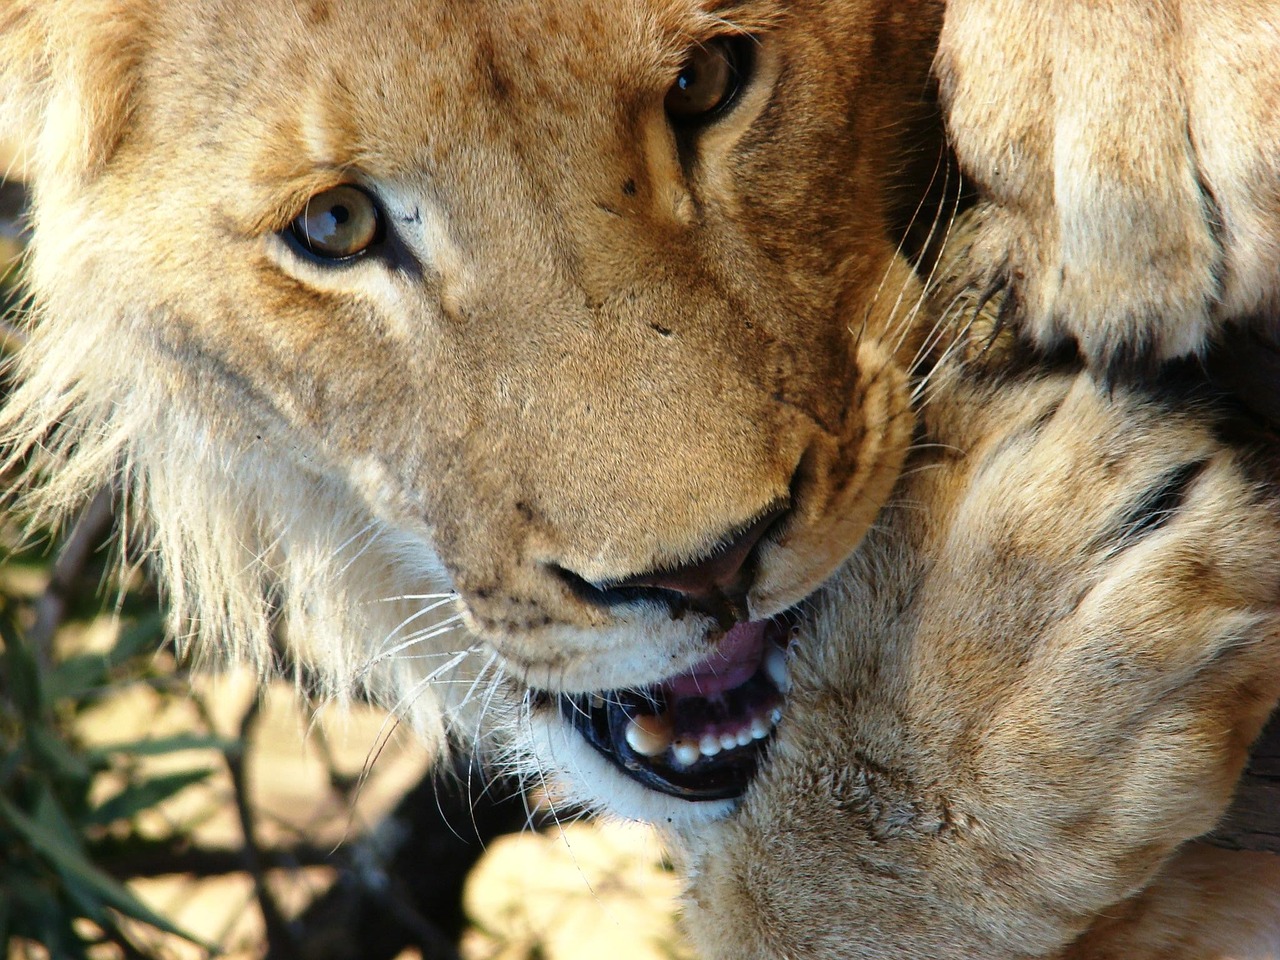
(87, 535)
(160, 858)
(280, 939)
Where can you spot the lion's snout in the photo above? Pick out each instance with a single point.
(716, 583)
(675, 604)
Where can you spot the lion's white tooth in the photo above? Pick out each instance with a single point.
(776, 715)
(775, 667)
(728, 740)
(648, 735)
(686, 752)
(709, 745)
(744, 736)
(760, 728)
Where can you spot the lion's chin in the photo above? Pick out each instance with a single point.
(693, 740)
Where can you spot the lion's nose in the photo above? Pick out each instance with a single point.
(716, 584)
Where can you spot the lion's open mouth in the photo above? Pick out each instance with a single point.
(699, 735)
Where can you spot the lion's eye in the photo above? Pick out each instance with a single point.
(709, 80)
(338, 223)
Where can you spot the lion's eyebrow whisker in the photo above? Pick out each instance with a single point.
(947, 214)
(955, 308)
(905, 319)
(942, 320)
(941, 164)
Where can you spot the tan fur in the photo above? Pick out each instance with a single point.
(1132, 154)
(1034, 681)
(604, 347)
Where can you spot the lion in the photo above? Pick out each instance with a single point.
(537, 361)
(1131, 154)
(457, 341)
(1008, 716)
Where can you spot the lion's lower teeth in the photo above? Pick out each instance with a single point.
(652, 736)
(686, 753)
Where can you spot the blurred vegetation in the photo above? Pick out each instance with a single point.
(68, 808)
(54, 827)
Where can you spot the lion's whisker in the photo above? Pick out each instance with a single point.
(416, 615)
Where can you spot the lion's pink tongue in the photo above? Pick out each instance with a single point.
(734, 662)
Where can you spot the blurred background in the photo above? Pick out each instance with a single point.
(149, 813)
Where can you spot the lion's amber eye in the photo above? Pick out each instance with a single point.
(338, 223)
(709, 80)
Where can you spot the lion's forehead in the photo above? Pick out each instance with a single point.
(467, 111)
(405, 84)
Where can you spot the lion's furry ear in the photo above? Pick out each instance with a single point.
(67, 76)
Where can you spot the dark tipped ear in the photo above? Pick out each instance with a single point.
(67, 74)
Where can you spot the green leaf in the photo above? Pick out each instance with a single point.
(77, 676)
(50, 815)
(11, 762)
(144, 637)
(86, 900)
(55, 756)
(74, 868)
(6, 911)
(135, 798)
(22, 671)
(37, 913)
(55, 931)
(164, 745)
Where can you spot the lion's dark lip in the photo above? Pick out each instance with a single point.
(748, 711)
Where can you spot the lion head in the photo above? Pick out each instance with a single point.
(571, 334)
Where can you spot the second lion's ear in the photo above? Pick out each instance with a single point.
(67, 76)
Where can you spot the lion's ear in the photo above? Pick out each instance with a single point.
(67, 76)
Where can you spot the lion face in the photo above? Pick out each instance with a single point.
(594, 318)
